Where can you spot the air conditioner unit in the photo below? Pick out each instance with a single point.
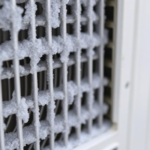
(65, 74)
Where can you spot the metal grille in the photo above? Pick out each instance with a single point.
(52, 73)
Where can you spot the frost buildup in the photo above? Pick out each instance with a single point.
(90, 12)
(9, 15)
(90, 42)
(41, 47)
(10, 107)
(28, 13)
(72, 91)
(11, 141)
(23, 110)
(35, 56)
(36, 51)
(55, 11)
(43, 98)
(70, 45)
(21, 70)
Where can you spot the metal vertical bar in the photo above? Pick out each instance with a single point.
(78, 64)
(34, 77)
(14, 37)
(2, 138)
(90, 64)
(65, 101)
(50, 73)
(101, 59)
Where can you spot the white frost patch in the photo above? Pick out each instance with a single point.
(85, 87)
(6, 51)
(71, 44)
(96, 81)
(36, 53)
(29, 135)
(44, 130)
(26, 48)
(40, 47)
(72, 91)
(21, 69)
(59, 124)
(55, 11)
(105, 108)
(44, 97)
(7, 73)
(85, 136)
(9, 16)
(58, 94)
(12, 141)
(65, 47)
(29, 13)
(10, 107)
(85, 114)
(90, 42)
(73, 120)
(90, 13)
(23, 111)
(57, 45)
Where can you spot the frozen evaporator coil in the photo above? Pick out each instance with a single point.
(53, 78)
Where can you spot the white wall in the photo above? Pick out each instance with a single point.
(140, 85)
